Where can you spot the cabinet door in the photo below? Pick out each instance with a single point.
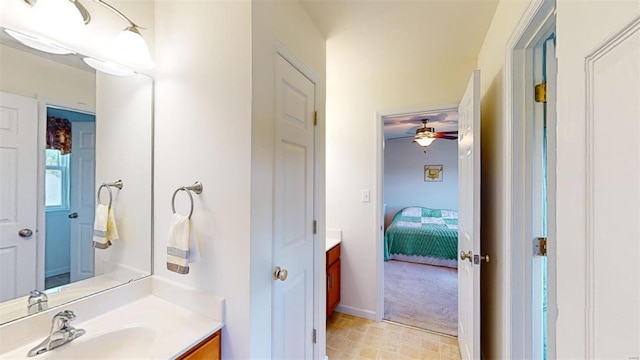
(333, 286)
(209, 349)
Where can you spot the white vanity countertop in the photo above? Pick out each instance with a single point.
(330, 243)
(176, 330)
(150, 326)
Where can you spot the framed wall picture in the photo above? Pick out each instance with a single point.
(433, 173)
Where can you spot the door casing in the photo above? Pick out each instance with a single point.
(517, 339)
(41, 222)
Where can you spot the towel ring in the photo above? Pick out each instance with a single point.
(196, 188)
(118, 184)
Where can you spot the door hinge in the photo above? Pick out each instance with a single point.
(315, 227)
(314, 336)
(541, 92)
(315, 118)
(540, 246)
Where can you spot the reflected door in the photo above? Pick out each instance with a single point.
(18, 195)
(82, 194)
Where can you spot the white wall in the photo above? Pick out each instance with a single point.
(404, 183)
(124, 152)
(357, 87)
(33, 76)
(490, 62)
(288, 23)
(203, 133)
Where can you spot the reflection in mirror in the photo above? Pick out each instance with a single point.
(65, 131)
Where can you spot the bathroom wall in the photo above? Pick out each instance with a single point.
(359, 84)
(124, 152)
(33, 76)
(285, 22)
(203, 133)
(491, 62)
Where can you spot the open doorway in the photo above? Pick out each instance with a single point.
(69, 186)
(420, 210)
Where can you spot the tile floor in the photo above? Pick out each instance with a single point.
(350, 337)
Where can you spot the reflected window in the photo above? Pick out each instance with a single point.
(56, 180)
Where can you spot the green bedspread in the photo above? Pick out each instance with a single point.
(423, 232)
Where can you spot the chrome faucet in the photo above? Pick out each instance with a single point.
(61, 333)
(37, 302)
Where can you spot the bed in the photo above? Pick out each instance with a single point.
(423, 235)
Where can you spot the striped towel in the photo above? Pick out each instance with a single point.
(182, 247)
(104, 227)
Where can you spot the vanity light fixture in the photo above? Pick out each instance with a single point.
(129, 45)
(108, 67)
(39, 43)
(64, 17)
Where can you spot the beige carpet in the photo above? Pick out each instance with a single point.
(423, 296)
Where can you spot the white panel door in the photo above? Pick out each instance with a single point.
(18, 194)
(598, 180)
(293, 214)
(82, 196)
(469, 220)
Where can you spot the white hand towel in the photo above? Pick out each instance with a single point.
(182, 247)
(100, 240)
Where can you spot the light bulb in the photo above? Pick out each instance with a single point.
(131, 48)
(60, 19)
(425, 141)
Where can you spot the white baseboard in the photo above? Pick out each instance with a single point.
(367, 314)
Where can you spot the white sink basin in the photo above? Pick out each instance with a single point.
(127, 343)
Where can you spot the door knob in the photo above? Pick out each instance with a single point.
(466, 256)
(485, 258)
(279, 274)
(25, 233)
(73, 215)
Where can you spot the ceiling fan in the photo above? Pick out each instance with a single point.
(426, 135)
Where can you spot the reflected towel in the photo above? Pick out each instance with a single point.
(112, 229)
(104, 227)
(100, 240)
(182, 247)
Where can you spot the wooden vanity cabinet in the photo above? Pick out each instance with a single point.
(333, 278)
(207, 349)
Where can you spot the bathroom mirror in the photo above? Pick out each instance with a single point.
(68, 134)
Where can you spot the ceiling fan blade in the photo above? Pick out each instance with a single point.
(447, 137)
(448, 132)
(412, 131)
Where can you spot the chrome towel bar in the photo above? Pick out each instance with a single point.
(196, 188)
(118, 184)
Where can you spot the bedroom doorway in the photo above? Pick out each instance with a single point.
(420, 214)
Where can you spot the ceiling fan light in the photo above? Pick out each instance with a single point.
(424, 141)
